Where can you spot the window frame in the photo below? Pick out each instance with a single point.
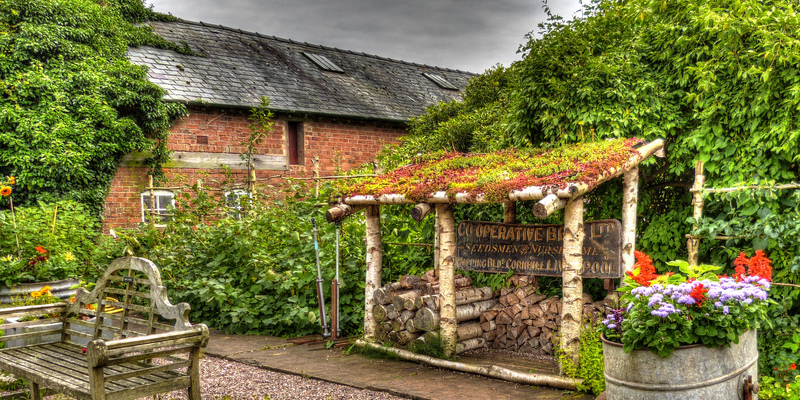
(162, 213)
(235, 205)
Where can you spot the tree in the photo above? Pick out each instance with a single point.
(71, 104)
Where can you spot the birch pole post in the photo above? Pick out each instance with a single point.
(571, 313)
(697, 201)
(437, 247)
(630, 202)
(447, 287)
(374, 264)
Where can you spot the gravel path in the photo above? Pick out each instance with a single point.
(224, 379)
(229, 380)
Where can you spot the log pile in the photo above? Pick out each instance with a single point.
(526, 321)
(516, 318)
(409, 308)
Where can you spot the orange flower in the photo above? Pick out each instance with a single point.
(793, 366)
(5, 191)
(12, 180)
(36, 294)
(41, 249)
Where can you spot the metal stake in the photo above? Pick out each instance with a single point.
(323, 319)
(337, 328)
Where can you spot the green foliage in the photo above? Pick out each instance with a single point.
(65, 230)
(778, 345)
(71, 104)
(253, 270)
(432, 346)
(591, 368)
(472, 125)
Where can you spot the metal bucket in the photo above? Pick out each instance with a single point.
(692, 372)
(60, 289)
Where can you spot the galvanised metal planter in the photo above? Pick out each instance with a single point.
(60, 289)
(692, 372)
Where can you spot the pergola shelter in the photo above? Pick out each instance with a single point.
(557, 178)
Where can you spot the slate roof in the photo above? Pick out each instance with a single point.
(240, 67)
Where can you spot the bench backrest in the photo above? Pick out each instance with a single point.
(128, 300)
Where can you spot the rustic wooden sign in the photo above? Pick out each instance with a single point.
(537, 249)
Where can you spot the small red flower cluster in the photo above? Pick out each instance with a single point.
(38, 259)
(647, 272)
(758, 265)
(698, 294)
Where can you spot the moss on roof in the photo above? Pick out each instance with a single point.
(496, 174)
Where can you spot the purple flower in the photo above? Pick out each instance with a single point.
(725, 310)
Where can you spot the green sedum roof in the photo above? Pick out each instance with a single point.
(495, 175)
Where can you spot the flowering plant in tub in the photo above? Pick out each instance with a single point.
(662, 312)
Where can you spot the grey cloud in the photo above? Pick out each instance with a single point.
(470, 35)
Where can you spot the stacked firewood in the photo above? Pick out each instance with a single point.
(526, 321)
(409, 308)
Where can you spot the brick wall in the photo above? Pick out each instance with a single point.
(339, 144)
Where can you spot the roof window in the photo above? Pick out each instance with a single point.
(440, 81)
(323, 62)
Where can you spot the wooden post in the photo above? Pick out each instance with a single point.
(571, 313)
(436, 245)
(152, 201)
(374, 263)
(630, 202)
(510, 212)
(697, 201)
(315, 160)
(251, 178)
(447, 287)
(194, 373)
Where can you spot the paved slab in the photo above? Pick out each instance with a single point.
(401, 378)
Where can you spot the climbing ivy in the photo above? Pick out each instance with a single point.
(71, 104)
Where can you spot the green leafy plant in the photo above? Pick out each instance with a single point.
(591, 368)
(46, 242)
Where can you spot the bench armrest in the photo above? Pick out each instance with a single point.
(100, 351)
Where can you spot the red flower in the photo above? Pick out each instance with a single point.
(83, 350)
(645, 267)
(758, 265)
(699, 294)
(41, 249)
(793, 366)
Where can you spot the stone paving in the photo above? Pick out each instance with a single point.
(402, 378)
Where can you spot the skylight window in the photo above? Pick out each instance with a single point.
(323, 62)
(440, 81)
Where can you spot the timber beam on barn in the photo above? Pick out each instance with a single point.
(556, 179)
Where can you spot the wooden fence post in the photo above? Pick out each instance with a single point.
(693, 243)
(510, 212)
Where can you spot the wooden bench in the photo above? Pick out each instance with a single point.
(145, 357)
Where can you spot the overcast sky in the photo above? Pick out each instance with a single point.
(470, 35)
